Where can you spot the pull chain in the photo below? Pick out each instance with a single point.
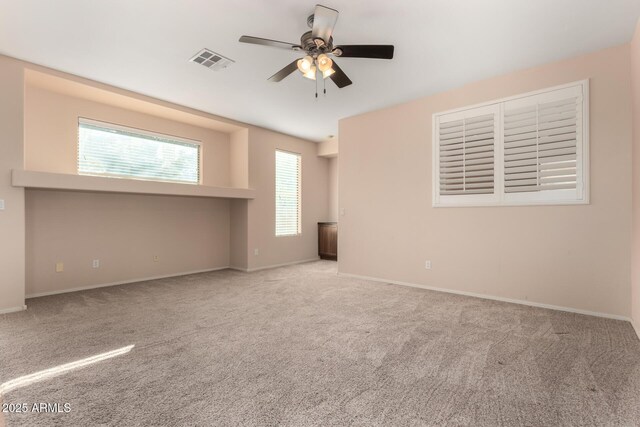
(324, 86)
(316, 86)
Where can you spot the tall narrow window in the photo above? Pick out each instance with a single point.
(111, 150)
(288, 189)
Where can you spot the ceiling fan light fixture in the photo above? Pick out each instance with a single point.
(305, 64)
(324, 62)
(328, 73)
(311, 74)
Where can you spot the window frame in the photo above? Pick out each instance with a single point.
(144, 133)
(579, 196)
(275, 174)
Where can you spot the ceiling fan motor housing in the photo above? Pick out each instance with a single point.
(314, 49)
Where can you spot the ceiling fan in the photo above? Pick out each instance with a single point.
(318, 45)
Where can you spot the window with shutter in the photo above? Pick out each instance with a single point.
(538, 150)
(288, 197)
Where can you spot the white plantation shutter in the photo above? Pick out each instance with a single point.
(106, 149)
(528, 149)
(467, 155)
(542, 142)
(288, 197)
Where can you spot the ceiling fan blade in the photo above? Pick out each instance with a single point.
(284, 72)
(377, 51)
(324, 19)
(339, 77)
(268, 42)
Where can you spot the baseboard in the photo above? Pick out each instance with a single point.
(13, 309)
(123, 282)
(491, 297)
(267, 267)
(144, 279)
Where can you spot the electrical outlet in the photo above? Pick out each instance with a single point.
(156, 258)
(59, 267)
(96, 263)
(342, 212)
(1, 204)
(427, 264)
(256, 251)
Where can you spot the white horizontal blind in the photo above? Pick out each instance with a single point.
(117, 151)
(288, 197)
(542, 137)
(466, 155)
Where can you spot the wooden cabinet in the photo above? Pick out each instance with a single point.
(328, 240)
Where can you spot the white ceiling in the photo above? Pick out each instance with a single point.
(144, 46)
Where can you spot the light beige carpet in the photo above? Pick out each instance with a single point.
(299, 346)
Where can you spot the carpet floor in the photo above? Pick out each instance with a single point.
(300, 346)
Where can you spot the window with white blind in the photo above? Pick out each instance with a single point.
(524, 150)
(110, 150)
(288, 193)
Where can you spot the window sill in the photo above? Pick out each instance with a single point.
(59, 181)
(510, 204)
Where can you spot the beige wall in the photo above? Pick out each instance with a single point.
(123, 231)
(51, 133)
(239, 158)
(12, 228)
(328, 148)
(570, 256)
(261, 211)
(333, 189)
(239, 222)
(635, 262)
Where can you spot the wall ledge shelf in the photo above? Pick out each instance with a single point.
(60, 181)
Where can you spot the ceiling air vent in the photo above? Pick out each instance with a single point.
(211, 60)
